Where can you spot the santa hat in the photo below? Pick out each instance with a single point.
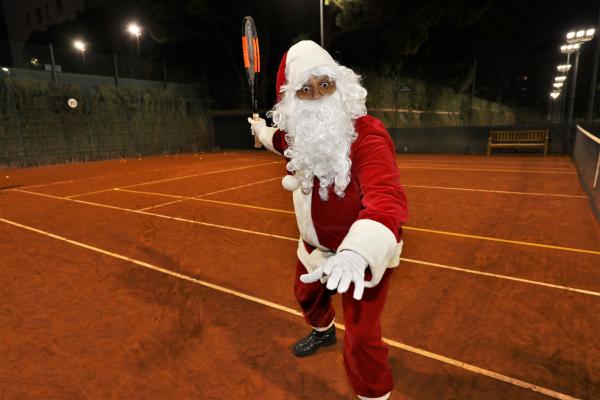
(302, 57)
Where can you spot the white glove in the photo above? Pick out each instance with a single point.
(341, 269)
(256, 125)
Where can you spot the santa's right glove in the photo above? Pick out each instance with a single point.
(256, 125)
(341, 269)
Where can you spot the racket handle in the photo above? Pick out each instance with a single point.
(257, 143)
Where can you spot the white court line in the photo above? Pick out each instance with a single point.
(393, 343)
(408, 228)
(159, 215)
(487, 160)
(173, 179)
(490, 170)
(206, 194)
(202, 174)
(510, 278)
(482, 168)
(496, 191)
(228, 203)
(90, 178)
(293, 239)
(484, 165)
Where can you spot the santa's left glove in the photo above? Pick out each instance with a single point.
(342, 269)
(256, 125)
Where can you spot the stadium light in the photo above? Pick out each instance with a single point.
(561, 78)
(563, 68)
(570, 48)
(580, 36)
(79, 45)
(136, 31)
(557, 85)
(575, 39)
(554, 95)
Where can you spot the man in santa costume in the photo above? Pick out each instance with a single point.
(349, 206)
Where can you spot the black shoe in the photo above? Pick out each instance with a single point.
(313, 341)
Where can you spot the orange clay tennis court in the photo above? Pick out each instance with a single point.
(171, 278)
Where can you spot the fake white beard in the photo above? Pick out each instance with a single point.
(319, 136)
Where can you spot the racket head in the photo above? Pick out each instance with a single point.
(251, 53)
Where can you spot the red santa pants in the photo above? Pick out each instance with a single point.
(365, 354)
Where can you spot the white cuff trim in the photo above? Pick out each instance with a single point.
(376, 244)
(265, 135)
(324, 329)
(384, 397)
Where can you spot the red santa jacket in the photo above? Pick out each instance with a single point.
(369, 218)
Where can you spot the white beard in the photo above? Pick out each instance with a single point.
(319, 135)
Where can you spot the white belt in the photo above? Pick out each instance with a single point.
(312, 260)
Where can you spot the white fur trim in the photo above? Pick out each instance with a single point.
(312, 260)
(384, 397)
(324, 329)
(265, 135)
(302, 57)
(290, 182)
(376, 244)
(302, 208)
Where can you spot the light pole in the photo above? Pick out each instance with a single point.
(575, 39)
(552, 107)
(590, 107)
(564, 69)
(321, 23)
(135, 30)
(79, 45)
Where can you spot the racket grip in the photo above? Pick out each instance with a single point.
(257, 143)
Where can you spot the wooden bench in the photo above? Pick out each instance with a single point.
(518, 139)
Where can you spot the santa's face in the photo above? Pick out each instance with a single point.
(316, 87)
(319, 133)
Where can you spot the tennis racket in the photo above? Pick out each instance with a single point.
(252, 65)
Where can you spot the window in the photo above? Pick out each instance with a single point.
(59, 7)
(38, 15)
(29, 20)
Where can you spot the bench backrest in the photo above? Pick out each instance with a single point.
(519, 136)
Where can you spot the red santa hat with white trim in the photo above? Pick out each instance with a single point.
(300, 59)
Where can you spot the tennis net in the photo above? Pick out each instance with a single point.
(586, 155)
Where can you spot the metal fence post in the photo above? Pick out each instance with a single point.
(54, 75)
(116, 67)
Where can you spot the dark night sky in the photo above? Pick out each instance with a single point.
(530, 44)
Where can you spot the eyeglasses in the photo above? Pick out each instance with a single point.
(316, 87)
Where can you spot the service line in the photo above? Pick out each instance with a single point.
(207, 194)
(173, 179)
(222, 289)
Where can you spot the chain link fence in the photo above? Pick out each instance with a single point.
(60, 105)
